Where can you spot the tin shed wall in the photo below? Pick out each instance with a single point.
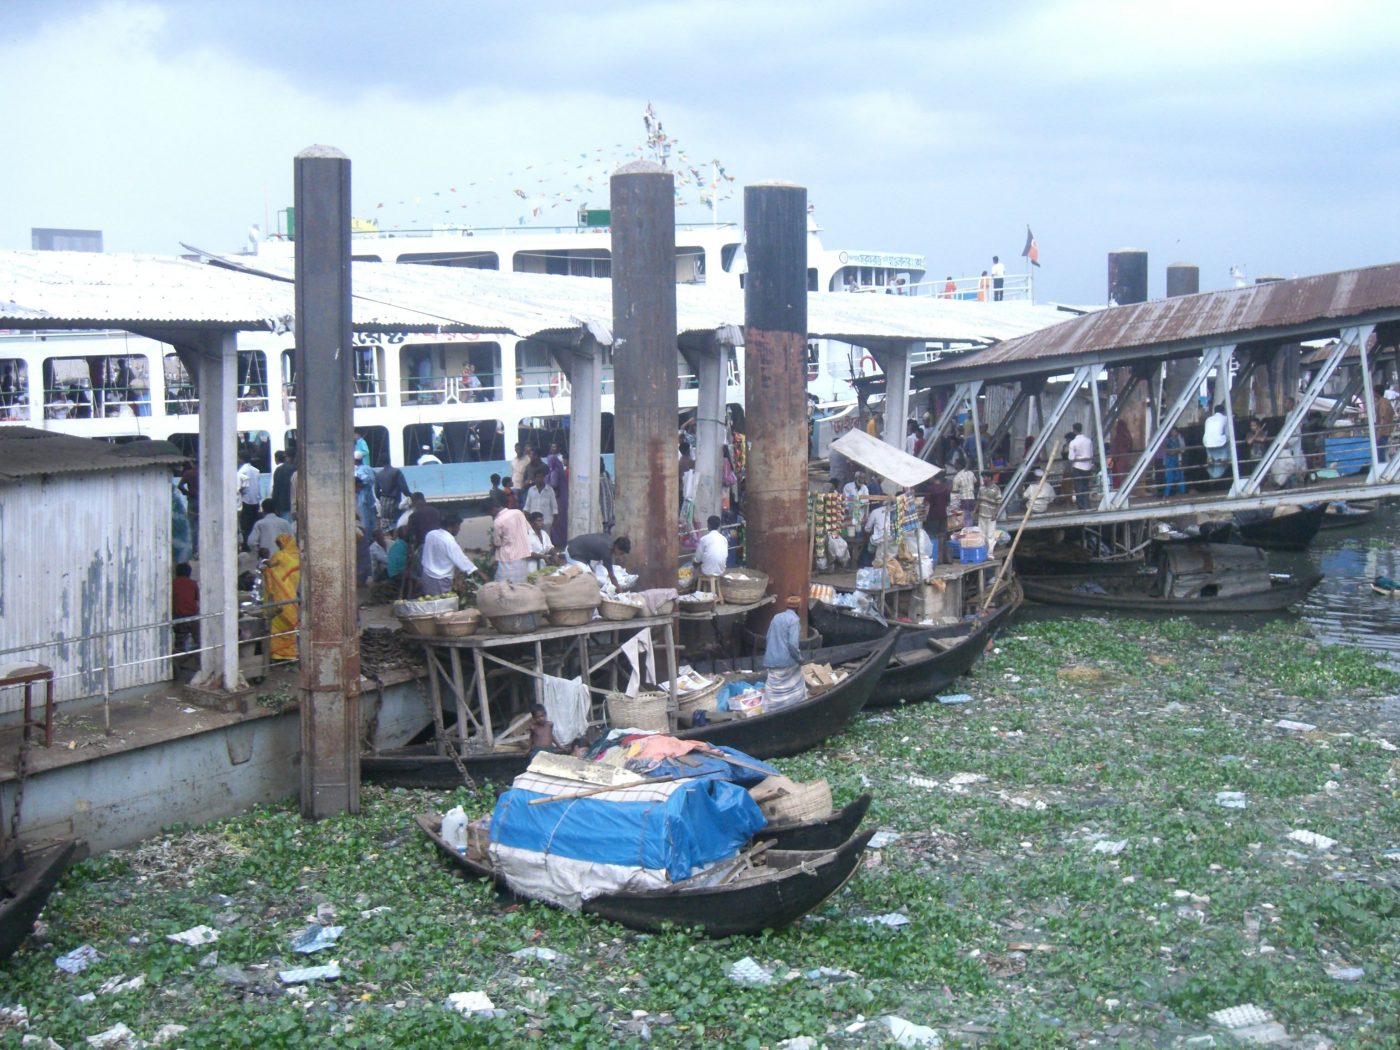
(82, 554)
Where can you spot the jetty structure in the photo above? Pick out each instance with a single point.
(1308, 358)
(163, 753)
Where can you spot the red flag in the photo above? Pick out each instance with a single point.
(1031, 251)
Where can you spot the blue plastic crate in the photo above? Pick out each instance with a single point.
(972, 555)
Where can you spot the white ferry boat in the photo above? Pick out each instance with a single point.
(468, 398)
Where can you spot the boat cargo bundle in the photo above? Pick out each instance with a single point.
(646, 836)
(1221, 570)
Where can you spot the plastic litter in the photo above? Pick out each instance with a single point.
(1240, 1016)
(892, 919)
(748, 972)
(800, 1042)
(470, 1003)
(881, 839)
(316, 937)
(955, 698)
(1231, 799)
(78, 959)
(1296, 727)
(167, 1032)
(1345, 973)
(1112, 848)
(963, 779)
(302, 974)
(119, 984)
(114, 1036)
(194, 936)
(454, 828)
(542, 954)
(907, 1033)
(1313, 839)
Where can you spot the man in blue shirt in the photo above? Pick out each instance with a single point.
(782, 658)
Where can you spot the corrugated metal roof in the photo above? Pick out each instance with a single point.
(26, 452)
(1171, 325)
(83, 289)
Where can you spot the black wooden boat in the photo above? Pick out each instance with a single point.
(1291, 531)
(925, 659)
(27, 877)
(796, 728)
(420, 766)
(1191, 578)
(783, 886)
(1345, 515)
(818, 834)
(1063, 561)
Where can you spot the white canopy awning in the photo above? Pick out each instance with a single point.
(898, 466)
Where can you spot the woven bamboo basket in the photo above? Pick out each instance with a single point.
(424, 626)
(809, 801)
(570, 617)
(643, 711)
(700, 700)
(707, 606)
(462, 624)
(741, 590)
(516, 623)
(665, 608)
(612, 610)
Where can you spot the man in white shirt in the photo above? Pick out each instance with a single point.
(998, 278)
(912, 439)
(1215, 437)
(249, 494)
(712, 552)
(1081, 465)
(857, 495)
(428, 457)
(540, 543)
(441, 555)
(879, 532)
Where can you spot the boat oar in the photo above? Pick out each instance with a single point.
(1016, 540)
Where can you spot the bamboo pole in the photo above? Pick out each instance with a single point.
(1021, 528)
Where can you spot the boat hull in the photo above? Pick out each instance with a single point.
(27, 878)
(1286, 532)
(1338, 518)
(1061, 592)
(420, 766)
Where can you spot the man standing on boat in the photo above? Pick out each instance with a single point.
(998, 278)
(782, 659)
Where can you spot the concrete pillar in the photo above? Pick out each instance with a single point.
(583, 364)
(215, 373)
(894, 359)
(645, 375)
(775, 391)
(710, 435)
(330, 640)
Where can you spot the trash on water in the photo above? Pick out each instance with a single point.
(542, 954)
(114, 1036)
(78, 959)
(955, 698)
(167, 1032)
(963, 779)
(1296, 727)
(316, 937)
(1231, 799)
(892, 919)
(1240, 1016)
(1345, 973)
(881, 839)
(194, 936)
(119, 983)
(1111, 847)
(747, 971)
(470, 1003)
(302, 974)
(1313, 839)
(907, 1033)
(829, 973)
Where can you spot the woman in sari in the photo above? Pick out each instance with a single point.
(282, 583)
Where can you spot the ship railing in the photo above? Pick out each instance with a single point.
(1016, 287)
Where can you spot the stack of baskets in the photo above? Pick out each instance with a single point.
(643, 711)
(785, 801)
(512, 608)
(612, 609)
(418, 616)
(571, 594)
(742, 586)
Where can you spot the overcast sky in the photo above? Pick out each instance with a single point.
(1260, 134)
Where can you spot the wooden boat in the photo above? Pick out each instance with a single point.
(1191, 578)
(925, 659)
(420, 766)
(1386, 586)
(1262, 528)
(783, 886)
(1345, 515)
(798, 727)
(1061, 561)
(818, 834)
(27, 877)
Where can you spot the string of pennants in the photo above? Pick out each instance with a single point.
(572, 181)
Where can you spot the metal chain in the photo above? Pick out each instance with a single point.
(441, 734)
(21, 771)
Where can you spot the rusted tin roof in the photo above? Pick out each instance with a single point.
(28, 452)
(1173, 327)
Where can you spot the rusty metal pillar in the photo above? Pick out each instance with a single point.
(330, 644)
(775, 391)
(644, 369)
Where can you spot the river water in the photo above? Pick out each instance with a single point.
(1343, 608)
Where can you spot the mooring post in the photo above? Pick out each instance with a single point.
(330, 645)
(775, 391)
(644, 368)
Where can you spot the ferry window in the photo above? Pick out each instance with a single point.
(369, 371)
(690, 265)
(726, 256)
(181, 398)
(14, 389)
(566, 262)
(455, 441)
(97, 387)
(257, 444)
(686, 379)
(473, 372)
(536, 374)
(605, 436)
(188, 444)
(812, 283)
(469, 260)
(252, 381)
(377, 438)
(544, 431)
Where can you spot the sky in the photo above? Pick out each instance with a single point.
(1253, 134)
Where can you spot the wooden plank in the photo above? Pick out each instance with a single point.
(566, 767)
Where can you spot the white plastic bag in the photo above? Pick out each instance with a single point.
(454, 828)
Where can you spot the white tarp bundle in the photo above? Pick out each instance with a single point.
(874, 455)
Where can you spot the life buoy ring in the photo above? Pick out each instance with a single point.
(873, 364)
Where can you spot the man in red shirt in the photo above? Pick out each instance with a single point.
(184, 603)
